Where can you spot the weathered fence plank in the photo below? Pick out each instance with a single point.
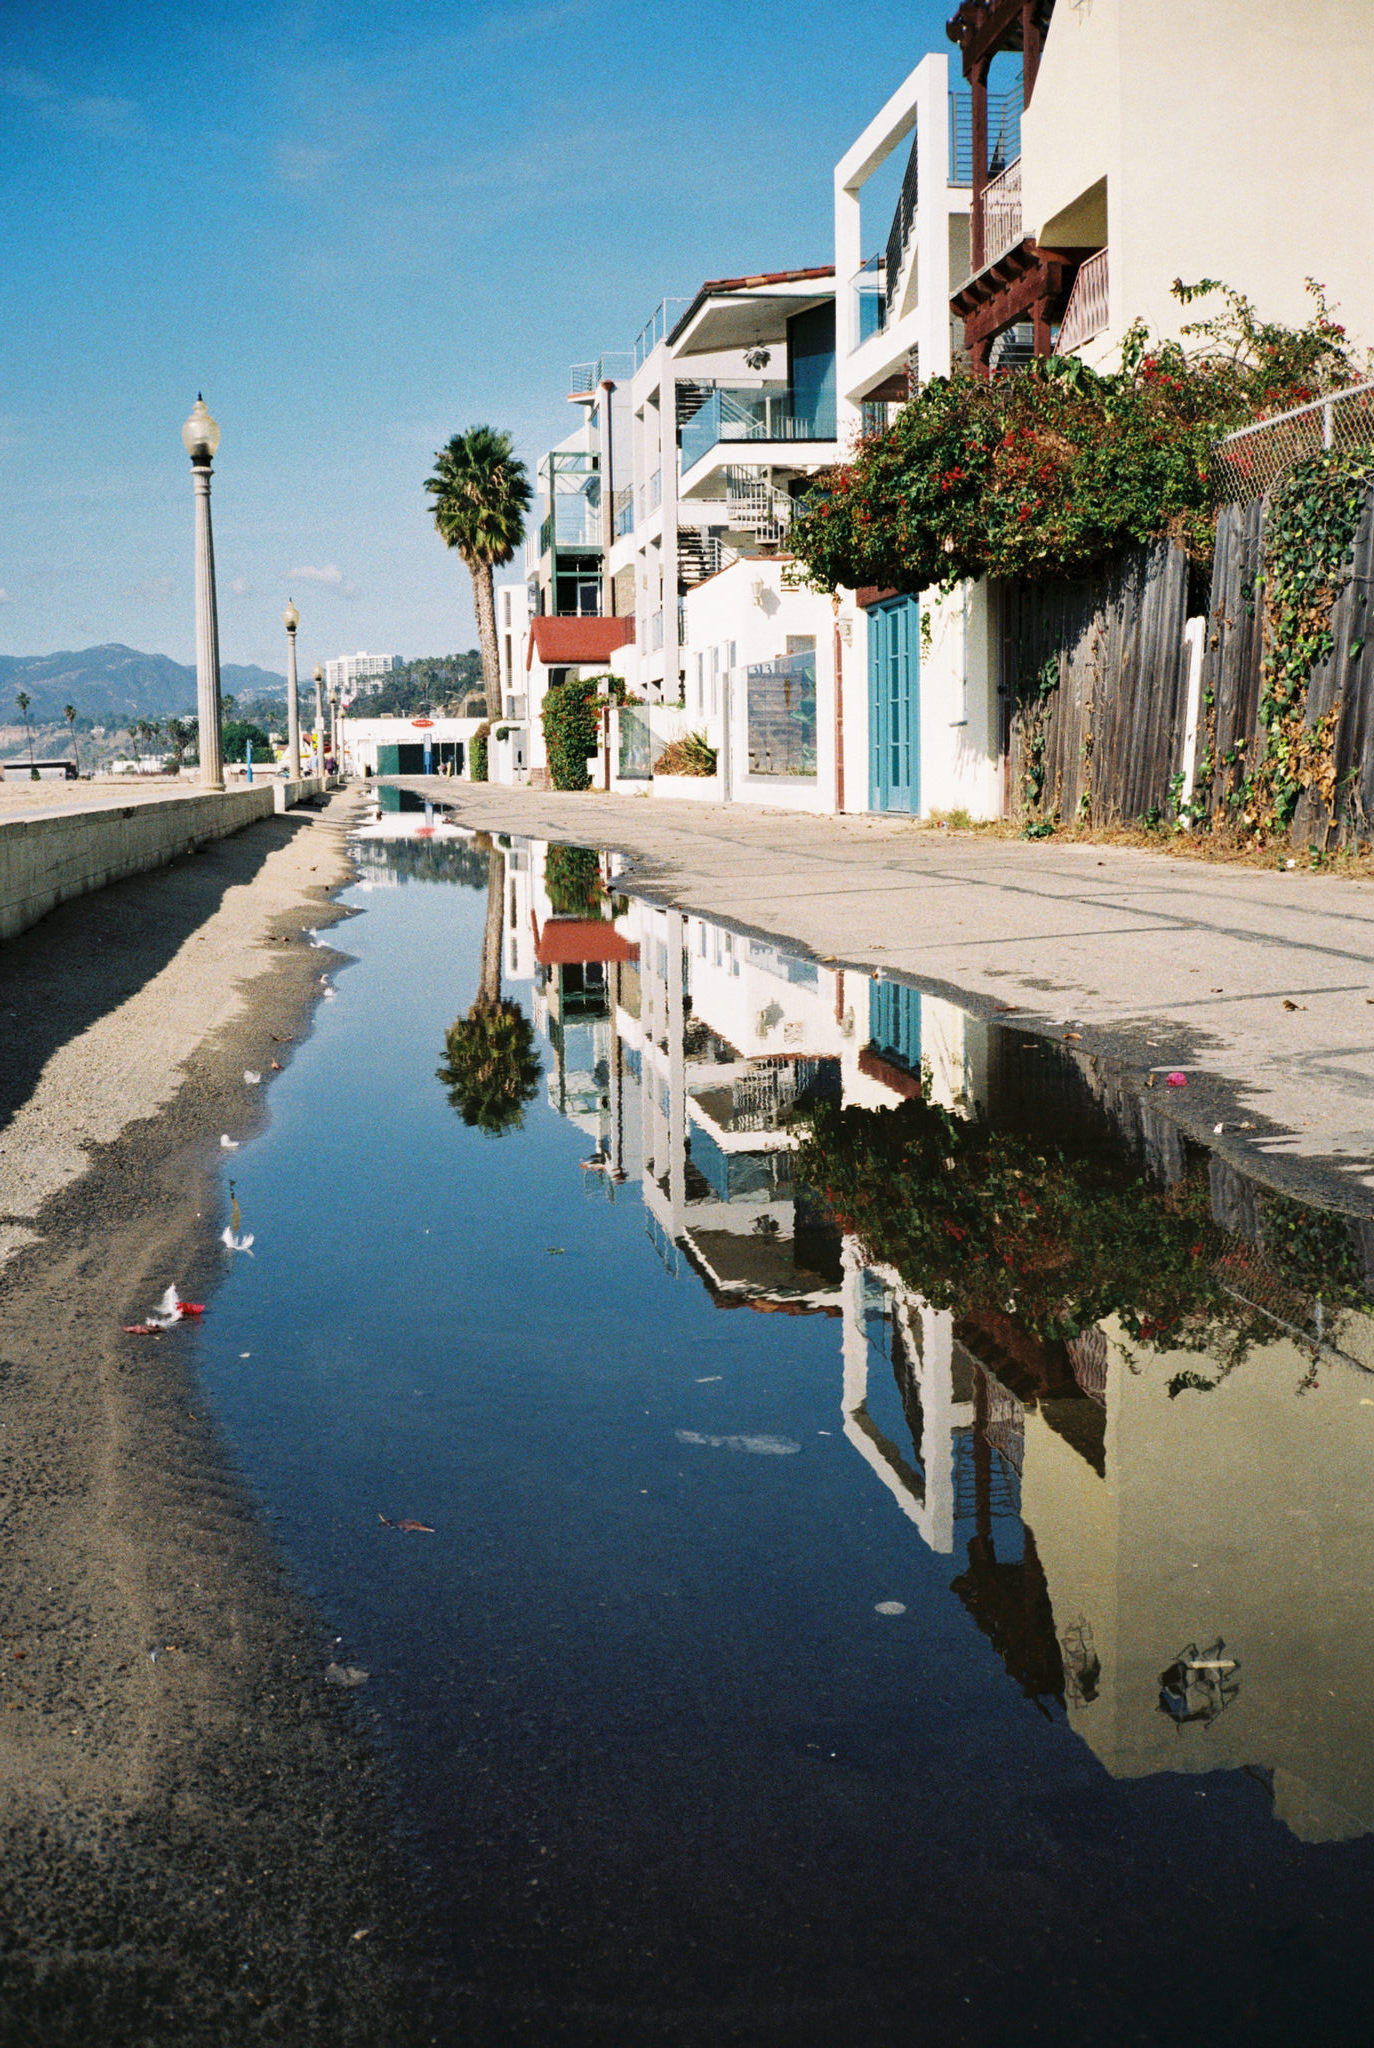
(1105, 742)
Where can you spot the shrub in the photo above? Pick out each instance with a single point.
(1052, 469)
(691, 755)
(572, 877)
(569, 718)
(477, 753)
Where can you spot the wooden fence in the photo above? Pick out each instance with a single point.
(1094, 677)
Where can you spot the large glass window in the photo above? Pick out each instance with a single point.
(781, 704)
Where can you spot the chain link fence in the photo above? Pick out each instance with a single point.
(1249, 463)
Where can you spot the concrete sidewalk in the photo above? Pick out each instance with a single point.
(1160, 963)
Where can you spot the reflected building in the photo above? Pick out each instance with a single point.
(1172, 1553)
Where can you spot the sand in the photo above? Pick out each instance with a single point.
(196, 1846)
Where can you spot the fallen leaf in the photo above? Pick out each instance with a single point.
(141, 1329)
(348, 1676)
(1288, 1005)
(1073, 1034)
(406, 1528)
(1149, 1080)
(276, 1066)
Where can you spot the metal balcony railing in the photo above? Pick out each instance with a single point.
(903, 222)
(1002, 213)
(1086, 313)
(612, 364)
(654, 331)
(753, 415)
(574, 523)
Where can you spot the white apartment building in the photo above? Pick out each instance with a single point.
(361, 674)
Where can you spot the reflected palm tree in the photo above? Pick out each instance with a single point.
(491, 1069)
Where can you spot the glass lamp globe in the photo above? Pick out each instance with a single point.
(319, 673)
(290, 618)
(200, 434)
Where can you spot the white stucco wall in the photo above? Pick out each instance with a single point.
(1233, 137)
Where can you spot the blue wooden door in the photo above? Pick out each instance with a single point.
(894, 746)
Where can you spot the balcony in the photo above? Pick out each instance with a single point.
(1087, 310)
(573, 526)
(612, 365)
(1001, 209)
(654, 330)
(623, 512)
(753, 415)
(870, 300)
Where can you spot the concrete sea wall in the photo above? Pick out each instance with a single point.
(44, 860)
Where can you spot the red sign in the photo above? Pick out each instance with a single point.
(422, 721)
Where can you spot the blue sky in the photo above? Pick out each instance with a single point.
(358, 229)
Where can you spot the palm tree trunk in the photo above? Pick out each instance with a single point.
(493, 932)
(484, 603)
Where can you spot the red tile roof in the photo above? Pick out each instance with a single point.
(744, 284)
(559, 641)
(565, 940)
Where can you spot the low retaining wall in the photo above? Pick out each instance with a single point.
(46, 860)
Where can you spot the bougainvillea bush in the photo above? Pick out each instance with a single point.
(1051, 469)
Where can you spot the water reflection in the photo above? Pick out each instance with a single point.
(1126, 1392)
(490, 1067)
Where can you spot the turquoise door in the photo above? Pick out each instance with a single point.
(894, 725)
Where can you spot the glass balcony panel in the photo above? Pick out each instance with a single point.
(754, 415)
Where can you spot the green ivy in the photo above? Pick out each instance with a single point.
(569, 718)
(572, 877)
(477, 753)
(1309, 539)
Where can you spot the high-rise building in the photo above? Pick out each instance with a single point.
(361, 673)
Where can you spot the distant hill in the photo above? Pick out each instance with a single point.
(114, 684)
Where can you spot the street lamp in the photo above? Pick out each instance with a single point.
(336, 747)
(200, 436)
(319, 719)
(291, 618)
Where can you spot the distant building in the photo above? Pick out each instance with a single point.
(359, 674)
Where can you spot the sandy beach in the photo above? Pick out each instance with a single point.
(196, 1848)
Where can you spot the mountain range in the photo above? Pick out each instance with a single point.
(113, 684)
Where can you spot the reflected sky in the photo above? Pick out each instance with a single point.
(804, 1650)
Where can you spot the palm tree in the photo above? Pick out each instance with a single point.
(491, 1069)
(69, 713)
(24, 701)
(481, 495)
(181, 732)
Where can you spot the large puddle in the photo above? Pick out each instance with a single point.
(902, 1519)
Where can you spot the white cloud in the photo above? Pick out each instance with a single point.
(327, 572)
(300, 163)
(157, 589)
(108, 120)
(5, 597)
(239, 586)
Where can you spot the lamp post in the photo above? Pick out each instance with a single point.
(319, 720)
(291, 618)
(335, 745)
(200, 436)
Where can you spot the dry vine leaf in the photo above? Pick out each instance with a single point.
(406, 1528)
(1288, 1004)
